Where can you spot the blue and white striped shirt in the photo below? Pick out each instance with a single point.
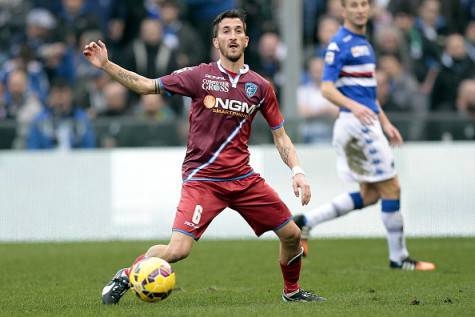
(350, 63)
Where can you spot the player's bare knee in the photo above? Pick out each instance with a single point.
(292, 237)
(369, 193)
(390, 189)
(371, 198)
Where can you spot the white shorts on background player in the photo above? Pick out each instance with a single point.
(363, 151)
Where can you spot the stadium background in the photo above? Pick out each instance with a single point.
(426, 77)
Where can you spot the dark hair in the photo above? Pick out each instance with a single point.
(343, 2)
(60, 83)
(231, 14)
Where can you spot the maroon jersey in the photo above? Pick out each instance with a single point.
(221, 115)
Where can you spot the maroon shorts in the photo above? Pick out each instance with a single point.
(251, 197)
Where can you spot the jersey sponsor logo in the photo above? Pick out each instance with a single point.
(329, 57)
(347, 38)
(361, 50)
(250, 88)
(229, 106)
(208, 84)
(209, 101)
(192, 225)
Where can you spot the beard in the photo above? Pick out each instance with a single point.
(232, 57)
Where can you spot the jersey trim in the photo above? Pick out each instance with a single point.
(216, 154)
(185, 232)
(203, 179)
(278, 126)
(234, 80)
(282, 224)
(161, 88)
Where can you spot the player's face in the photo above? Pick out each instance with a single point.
(231, 39)
(356, 12)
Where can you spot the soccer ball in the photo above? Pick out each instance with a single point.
(152, 279)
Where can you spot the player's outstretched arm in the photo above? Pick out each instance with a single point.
(96, 53)
(288, 154)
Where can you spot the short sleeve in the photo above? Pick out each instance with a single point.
(270, 109)
(334, 59)
(182, 82)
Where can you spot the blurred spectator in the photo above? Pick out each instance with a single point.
(75, 17)
(470, 40)
(40, 25)
(116, 100)
(312, 11)
(20, 105)
(430, 21)
(3, 108)
(84, 69)
(335, 9)
(424, 52)
(90, 93)
(317, 111)
(271, 53)
(466, 98)
(327, 27)
(38, 82)
(383, 92)
(19, 102)
(407, 6)
(404, 94)
(389, 41)
(180, 36)
(149, 55)
(466, 107)
(153, 108)
(12, 23)
(61, 124)
(201, 14)
(456, 66)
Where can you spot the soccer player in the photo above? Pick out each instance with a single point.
(363, 152)
(226, 96)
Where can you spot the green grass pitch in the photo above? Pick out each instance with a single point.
(242, 278)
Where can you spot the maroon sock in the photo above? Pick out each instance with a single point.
(291, 273)
(139, 258)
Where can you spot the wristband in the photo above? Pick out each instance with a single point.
(297, 170)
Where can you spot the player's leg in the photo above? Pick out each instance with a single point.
(391, 215)
(177, 249)
(263, 210)
(339, 206)
(291, 263)
(197, 208)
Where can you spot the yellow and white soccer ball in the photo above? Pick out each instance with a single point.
(152, 279)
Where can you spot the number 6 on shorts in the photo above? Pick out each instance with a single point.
(197, 214)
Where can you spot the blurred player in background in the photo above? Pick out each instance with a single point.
(363, 152)
(226, 95)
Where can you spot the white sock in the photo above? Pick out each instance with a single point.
(339, 206)
(396, 241)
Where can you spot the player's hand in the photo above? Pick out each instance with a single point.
(393, 134)
(96, 53)
(364, 114)
(301, 188)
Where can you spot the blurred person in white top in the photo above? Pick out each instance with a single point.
(318, 112)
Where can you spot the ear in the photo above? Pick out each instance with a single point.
(215, 42)
(246, 43)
